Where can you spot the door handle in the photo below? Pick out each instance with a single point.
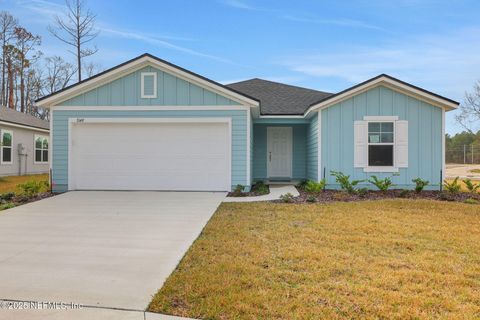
(270, 156)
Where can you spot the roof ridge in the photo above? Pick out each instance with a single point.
(281, 83)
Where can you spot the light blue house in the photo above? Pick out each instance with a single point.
(150, 125)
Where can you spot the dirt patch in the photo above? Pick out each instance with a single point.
(338, 195)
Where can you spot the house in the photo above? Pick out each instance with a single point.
(150, 125)
(24, 141)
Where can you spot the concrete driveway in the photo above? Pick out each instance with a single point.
(105, 249)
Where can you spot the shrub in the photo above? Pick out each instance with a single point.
(382, 184)
(344, 181)
(452, 187)
(362, 192)
(420, 184)
(311, 199)
(287, 198)
(315, 188)
(6, 206)
(472, 187)
(8, 196)
(32, 188)
(261, 188)
(446, 196)
(302, 184)
(471, 201)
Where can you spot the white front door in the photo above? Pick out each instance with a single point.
(279, 152)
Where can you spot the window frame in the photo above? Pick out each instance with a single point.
(393, 167)
(41, 149)
(2, 147)
(142, 89)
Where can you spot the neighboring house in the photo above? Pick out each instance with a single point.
(24, 141)
(150, 125)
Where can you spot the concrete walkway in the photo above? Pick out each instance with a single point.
(275, 192)
(99, 249)
(463, 171)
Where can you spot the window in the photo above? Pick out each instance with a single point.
(41, 149)
(149, 85)
(6, 143)
(380, 144)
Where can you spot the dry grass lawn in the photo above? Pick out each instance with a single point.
(9, 184)
(392, 259)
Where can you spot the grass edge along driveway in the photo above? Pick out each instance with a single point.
(373, 259)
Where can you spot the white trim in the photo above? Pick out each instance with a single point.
(2, 132)
(443, 147)
(392, 84)
(380, 118)
(249, 133)
(35, 136)
(79, 121)
(135, 66)
(142, 85)
(319, 146)
(146, 108)
(282, 117)
(23, 126)
(380, 169)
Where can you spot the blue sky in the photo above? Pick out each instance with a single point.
(323, 45)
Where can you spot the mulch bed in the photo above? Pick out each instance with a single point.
(22, 199)
(252, 193)
(338, 195)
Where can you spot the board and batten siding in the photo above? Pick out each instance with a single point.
(424, 136)
(171, 91)
(60, 137)
(312, 149)
(259, 164)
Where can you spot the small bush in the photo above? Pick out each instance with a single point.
(287, 198)
(471, 201)
(315, 188)
(32, 188)
(362, 192)
(344, 181)
(404, 193)
(238, 191)
(382, 184)
(261, 188)
(420, 184)
(6, 206)
(8, 196)
(446, 196)
(471, 186)
(452, 187)
(302, 184)
(311, 199)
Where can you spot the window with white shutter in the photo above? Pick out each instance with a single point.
(381, 144)
(148, 85)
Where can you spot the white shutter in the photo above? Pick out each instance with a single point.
(360, 133)
(401, 144)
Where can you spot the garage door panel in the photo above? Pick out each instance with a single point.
(151, 156)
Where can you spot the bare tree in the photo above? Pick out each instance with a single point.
(59, 73)
(7, 27)
(76, 30)
(470, 109)
(92, 69)
(26, 43)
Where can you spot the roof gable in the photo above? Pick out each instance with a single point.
(89, 87)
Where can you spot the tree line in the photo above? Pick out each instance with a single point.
(26, 74)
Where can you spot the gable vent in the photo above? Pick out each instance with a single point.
(149, 85)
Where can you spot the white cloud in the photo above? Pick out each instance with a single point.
(238, 4)
(338, 22)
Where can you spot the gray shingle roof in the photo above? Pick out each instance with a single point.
(278, 98)
(13, 116)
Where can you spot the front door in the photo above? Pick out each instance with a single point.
(279, 152)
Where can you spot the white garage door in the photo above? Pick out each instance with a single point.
(150, 156)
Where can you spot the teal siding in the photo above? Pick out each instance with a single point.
(60, 138)
(171, 91)
(424, 137)
(312, 149)
(259, 165)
